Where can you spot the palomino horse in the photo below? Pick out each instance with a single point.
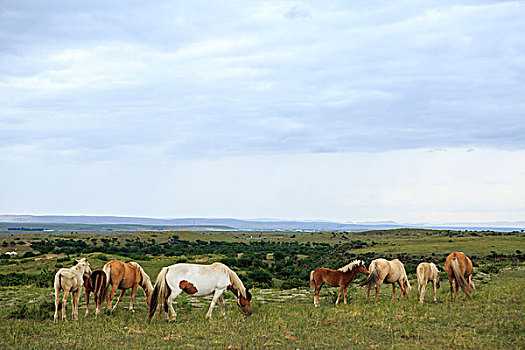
(123, 276)
(459, 270)
(95, 283)
(70, 280)
(336, 278)
(427, 272)
(384, 271)
(198, 281)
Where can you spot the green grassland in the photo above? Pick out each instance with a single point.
(493, 317)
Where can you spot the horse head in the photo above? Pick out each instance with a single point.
(244, 302)
(84, 265)
(361, 268)
(405, 286)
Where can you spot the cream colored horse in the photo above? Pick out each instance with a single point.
(70, 280)
(427, 272)
(384, 271)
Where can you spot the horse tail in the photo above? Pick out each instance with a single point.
(100, 288)
(58, 282)
(312, 280)
(465, 286)
(107, 271)
(161, 291)
(420, 272)
(372, 278)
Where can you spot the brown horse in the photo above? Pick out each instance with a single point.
(95, 283)
(336, 278)
(384, 271)
(459, 270)
(123, 276)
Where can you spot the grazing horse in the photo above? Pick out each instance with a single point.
(123, 276)
(384, 271)
(336, 278)
(70, 280)
(95, 283)
(198, 281)
(459, 270)
(427, 272)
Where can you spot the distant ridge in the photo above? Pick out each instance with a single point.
(262, 224)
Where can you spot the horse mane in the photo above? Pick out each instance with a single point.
(146, 281)
(350, 266)
(234, 279)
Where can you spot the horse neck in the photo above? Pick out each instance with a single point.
(350, 274)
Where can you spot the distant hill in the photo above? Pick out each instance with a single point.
(262, 224)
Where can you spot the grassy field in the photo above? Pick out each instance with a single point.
(492, 318)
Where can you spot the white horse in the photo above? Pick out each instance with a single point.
(427, 272)
(71, 280)
(197, 280)
(384, 271)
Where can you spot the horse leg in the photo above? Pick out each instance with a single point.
(434, 287)
(133, 290)
(422, 291)
(57, 301)
(339, 295)
(316, 294)
(223, 307)
(64, 301)
(346, 291)
(111, 295)
(171, 310)
(77, 302)
(87, 301)
(119, 299)
(368, 293)
(216, 296)
(451, 289)
(394, 291)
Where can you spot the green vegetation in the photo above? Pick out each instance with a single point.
(282, 318)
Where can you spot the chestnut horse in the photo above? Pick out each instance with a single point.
(336, 278)
(95, 283)
(70, 280)
(427, 272)
(198, 281)
(123, 276)
(459, 270)
(384, 271)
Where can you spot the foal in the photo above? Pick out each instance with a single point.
(427, 272)
(95, 283)
(70, 280)
(333, 278)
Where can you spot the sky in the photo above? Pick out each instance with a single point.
(412, 111)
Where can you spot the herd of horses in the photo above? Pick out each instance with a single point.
(217, 278)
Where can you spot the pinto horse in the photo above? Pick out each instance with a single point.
(120, 275)
(384, 271)
(198, 281)
(459, 270)
(95, 283)
(336, 278)
(427, 272)
(70, 280)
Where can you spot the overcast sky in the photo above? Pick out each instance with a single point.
(411, 111)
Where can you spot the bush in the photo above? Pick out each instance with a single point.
(293, 283)
(260, 278)
(41, 311)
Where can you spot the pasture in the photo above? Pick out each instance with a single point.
(285, 318)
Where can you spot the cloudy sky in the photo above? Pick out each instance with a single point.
(411, 111)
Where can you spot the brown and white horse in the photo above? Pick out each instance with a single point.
(95, 283)
(120, 275)
(459, 270)
(336, 278)
(198, 281)
(384, 271)
(427, 272)
(70, 280)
